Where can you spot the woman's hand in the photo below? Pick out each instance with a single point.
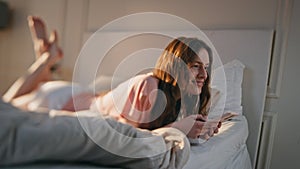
(195, 126)
(218, 126)
(209, 129)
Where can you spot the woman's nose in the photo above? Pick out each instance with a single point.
(202, 72)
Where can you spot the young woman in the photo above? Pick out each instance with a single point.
(176, 93)
(176, 90)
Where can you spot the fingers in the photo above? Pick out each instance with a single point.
(200, 117)
(216, 130)
(205, 130)
(204, 136)
(201, 127)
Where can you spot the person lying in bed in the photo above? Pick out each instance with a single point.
(34, 139)
(45, 139)
(168, 96)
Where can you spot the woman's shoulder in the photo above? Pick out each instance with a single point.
(148, 79)
(138, 82)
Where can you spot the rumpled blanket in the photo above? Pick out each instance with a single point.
(83, 137)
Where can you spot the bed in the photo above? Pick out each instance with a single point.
(245, 55)
(225, 150)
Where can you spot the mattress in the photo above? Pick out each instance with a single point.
(226, 150)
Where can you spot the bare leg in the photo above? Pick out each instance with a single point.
(39, 71)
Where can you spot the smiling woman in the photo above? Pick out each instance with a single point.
(167, 96)
(169, 93)
(241, 92)
(198, 69)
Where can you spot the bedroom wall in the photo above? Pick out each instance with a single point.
(16, 47)
(16, 52)
(286, 146)
(15, 40)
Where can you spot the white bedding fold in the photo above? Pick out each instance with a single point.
(28, 137)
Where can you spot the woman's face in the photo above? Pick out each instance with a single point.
(198, 72)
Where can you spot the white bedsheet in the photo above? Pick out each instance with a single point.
(226, 150)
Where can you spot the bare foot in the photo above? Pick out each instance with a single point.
(50, 58)
(56, 67)
(39, 34)
(42, 44)
(55, 51)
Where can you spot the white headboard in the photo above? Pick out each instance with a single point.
(251, 47)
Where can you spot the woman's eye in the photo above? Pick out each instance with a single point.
(196, 66)
(199, 66)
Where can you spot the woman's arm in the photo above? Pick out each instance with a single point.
(132, 101)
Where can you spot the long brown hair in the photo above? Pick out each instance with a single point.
(170, 68)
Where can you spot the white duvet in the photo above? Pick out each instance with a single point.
(33, 139)
(226, 150)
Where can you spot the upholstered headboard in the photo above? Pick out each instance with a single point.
(253, 49)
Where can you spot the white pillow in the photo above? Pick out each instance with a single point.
(231, 91)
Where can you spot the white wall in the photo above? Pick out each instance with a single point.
(16, 47)
(16, 44)
(287, 136)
